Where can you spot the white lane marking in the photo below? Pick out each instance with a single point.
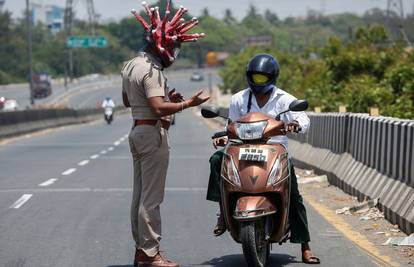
(111, 148)
(117, 143)
(69, 171)
(94, 156)
(20, 202)
(48, 182)
(122, 139)
(103, 152)
(83, 162)
(126, 136)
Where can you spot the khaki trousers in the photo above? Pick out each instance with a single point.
(150, 152)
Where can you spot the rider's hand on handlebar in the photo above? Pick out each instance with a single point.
(293, 127)
(222, 141)
(197, 100)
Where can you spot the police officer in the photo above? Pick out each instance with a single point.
(145, 90)
(263, 96)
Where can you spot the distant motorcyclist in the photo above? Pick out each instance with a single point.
(263, 96)
(108, 103)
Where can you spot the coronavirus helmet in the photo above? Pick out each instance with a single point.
(262, 73)
(164, 35)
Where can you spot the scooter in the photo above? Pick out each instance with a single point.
(109, 115)
(255, 184)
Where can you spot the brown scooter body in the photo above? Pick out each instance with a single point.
(254, 198)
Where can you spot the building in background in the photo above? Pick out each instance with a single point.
(50, 15)
(2, 4)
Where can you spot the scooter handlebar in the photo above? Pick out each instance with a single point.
(219, 134)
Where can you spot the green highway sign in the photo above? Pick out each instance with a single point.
(87, 41)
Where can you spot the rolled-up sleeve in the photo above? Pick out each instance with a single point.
(154, 84)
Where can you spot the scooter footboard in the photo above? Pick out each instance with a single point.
(253, 207)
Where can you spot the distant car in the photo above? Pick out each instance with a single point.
(197, 77)
(10, 105)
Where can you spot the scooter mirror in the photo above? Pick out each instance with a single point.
(299, 105)
(210, 112)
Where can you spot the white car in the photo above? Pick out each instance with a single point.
(197, 77)
(10, 105)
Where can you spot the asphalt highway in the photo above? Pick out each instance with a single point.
(65, 198)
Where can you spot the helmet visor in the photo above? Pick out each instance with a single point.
(260, 79)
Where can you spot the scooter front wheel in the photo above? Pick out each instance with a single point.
(256, 249)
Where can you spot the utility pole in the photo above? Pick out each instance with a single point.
(29, 48)
(412, 14)
(323, 7)
(91, 15)
(397, 7)
(68, 29)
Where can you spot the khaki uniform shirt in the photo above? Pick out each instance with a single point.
(143, 78)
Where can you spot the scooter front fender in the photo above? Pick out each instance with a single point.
(253, 207)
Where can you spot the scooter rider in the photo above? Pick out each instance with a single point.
(263, 96)
(145, 90)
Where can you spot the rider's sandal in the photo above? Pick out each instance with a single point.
(220, 227)
(310, 259)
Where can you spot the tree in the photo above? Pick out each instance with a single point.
(272, 17)
(205, 13)
(228, 18)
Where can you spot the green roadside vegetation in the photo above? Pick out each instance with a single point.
(360, 74)
(334, 60)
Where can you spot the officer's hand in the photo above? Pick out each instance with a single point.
(293, 127)
(196, 100)
(175, 96)
(222, 141)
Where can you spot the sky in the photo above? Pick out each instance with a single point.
(115, 10)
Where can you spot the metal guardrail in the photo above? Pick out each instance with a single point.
(381, 143)
(364, 156)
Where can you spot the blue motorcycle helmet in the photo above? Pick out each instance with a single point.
(262, 73)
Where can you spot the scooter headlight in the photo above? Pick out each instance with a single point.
(251, 131)
(280, 167)
(230, 172)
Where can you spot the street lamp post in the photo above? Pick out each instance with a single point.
(29, 48)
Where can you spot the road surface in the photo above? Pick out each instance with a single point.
(65, 198)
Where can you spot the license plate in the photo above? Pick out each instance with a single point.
(253, 154)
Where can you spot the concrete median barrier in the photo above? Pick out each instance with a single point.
(26, 121)
(364, 156)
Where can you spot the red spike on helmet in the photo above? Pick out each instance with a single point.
(165, 34)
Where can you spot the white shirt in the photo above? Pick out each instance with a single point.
(109, 103)
(278, 102)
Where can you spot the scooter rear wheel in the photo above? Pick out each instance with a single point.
(256, 249)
